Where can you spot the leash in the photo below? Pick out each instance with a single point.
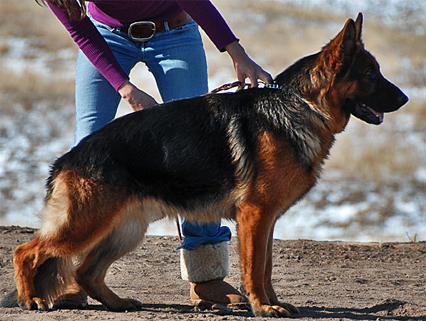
(241, 85)
(178, 230)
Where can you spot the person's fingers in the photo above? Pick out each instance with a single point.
(253, 79)
(143, 101)
(265, 77)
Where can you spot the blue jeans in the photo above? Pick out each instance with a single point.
(177, 60)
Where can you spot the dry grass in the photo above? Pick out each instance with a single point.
(29, 88)
(418, 109)
(275, 35)
(284, 33)
(383, 156)
(24, 18)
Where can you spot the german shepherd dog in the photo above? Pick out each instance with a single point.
(246, 156)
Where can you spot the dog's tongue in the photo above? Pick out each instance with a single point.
(380, 116)
(367, 114)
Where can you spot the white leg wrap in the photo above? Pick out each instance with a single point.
(207, 262)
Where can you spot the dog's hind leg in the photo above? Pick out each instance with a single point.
(78, 215)
(26, 258)
(29, 256)
(91, 274)
(40, 273)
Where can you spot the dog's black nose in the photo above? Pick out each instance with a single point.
(402, 99)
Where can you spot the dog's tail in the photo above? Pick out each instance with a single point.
(10, 300)
(50, 281)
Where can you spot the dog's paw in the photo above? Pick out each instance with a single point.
(282, 310)
(122, 305)
(33, 304)
(137, 305)
(289, 307)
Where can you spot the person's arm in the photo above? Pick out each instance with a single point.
(136, 98)
(245, 67)
(94, 46)
(208, 17)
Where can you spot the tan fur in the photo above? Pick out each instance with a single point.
(55, 211)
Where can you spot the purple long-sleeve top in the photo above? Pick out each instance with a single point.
(122, 13)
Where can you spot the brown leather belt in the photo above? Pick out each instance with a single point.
(145, 30)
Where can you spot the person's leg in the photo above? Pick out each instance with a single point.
(177, 60)
(95, 98)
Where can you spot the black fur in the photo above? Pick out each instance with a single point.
(165, 148)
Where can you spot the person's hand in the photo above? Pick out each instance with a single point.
(136, 98)
(245, 67)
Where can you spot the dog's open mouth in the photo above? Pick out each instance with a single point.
(367, 114)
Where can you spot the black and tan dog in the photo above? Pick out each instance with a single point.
(246, 156)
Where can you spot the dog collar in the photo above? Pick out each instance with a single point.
(242, 85)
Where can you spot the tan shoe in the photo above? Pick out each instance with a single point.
(218, 292)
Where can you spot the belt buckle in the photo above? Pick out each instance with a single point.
(142, 30)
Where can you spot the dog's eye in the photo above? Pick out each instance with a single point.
(370, 74)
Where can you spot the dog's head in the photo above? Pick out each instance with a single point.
(361, 87)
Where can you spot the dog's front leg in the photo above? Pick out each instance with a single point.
(273, 300)
(254, 229)
(268, 270)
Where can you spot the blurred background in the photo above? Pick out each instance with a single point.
(374, 184)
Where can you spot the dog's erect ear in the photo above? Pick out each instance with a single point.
(351, 35)
(341, 49)
(358, 26)
(348, 38)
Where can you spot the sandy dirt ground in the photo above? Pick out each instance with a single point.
(325, 280)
